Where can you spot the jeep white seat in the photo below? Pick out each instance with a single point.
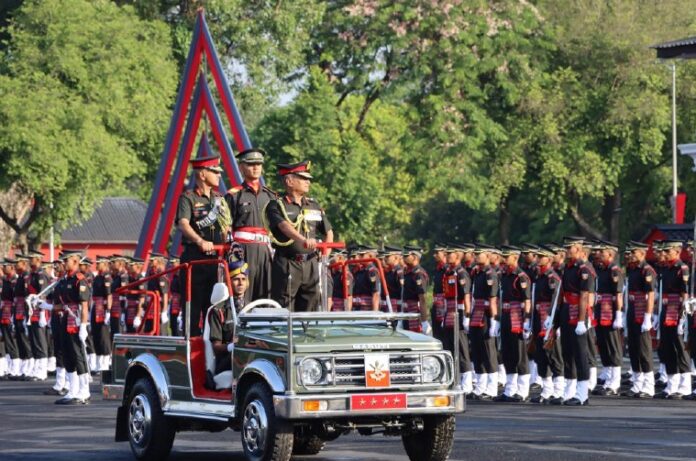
(222, 380)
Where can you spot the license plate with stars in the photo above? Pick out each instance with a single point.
(378, 402)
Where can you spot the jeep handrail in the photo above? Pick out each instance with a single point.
(284, 314)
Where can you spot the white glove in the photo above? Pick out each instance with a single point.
(137, 321)
(681, 326)
(164, 318)
(123, 319)
(618, 321)
(107, 316)
(655, 320)
(230, 347)
(558, 333)
(646, 326)
(83, 332)
(527, 329)
(42, 320)
(465, 322)
(548, 323)
(426, 329)
(581, 329)
(45, 306)
(494, 329)
(180, 322)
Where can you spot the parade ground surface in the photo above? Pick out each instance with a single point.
(33, 428)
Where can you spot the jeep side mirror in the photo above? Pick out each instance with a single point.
(220, 294)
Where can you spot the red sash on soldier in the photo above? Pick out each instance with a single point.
(671, 304)
(606, 309)
(131, 311)
(451, 307)
(72, 327)
(99, 309)
(337, 304)
(362, 303)
(412, 307)
(19, 307)
(116, 310)
(573, 302)
(176, 303)
(542, 311)
(6, 317)
(36, 315)
(439, 306)
(640, 305)
(478, 311)
(514, 310)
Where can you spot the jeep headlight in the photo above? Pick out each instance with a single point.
(311, 371)
(432, 369)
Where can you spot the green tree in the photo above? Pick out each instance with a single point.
(85, 94)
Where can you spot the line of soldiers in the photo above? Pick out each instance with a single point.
(540, 316)
(65, 323)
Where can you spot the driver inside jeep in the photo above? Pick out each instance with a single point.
(221, 321)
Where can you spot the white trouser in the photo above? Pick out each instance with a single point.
(60, 379)
(502, 375)
(648, 383)
(83, 386)
(93, 362)
(41, 368)
(638, 381)
(466, 382)
(593, 377)
(673, 382)
(510, 384)
(685, 384)
(481, 383)
(613, 380)
(103, 362)
(534, 372)
(605, 373)
(582, 390)
(663, 373)
(570, 386)
(73, 384)
(558, 386)
(3, 367)
(492, 386)
(16, 369)
(523, 385)
(51, 364)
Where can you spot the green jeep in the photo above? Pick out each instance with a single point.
(298, 380)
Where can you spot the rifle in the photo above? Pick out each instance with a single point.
(548, 341)
(531, 347)
(659, 311)
(32, 299)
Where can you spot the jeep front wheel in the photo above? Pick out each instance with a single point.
(264, 437)
(434, 442)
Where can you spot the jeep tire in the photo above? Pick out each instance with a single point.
(307, 445)
(264, 436)
(434, 442)
(150, 432)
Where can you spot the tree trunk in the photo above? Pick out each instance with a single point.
(504, 222)
(612, 215)
(585, 227)
(15, 204)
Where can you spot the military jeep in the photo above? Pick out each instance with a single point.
(298, 380)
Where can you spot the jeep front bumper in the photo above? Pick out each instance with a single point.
(303, 406)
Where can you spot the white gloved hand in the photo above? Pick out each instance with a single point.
(164, 318)
(681, 326)
(465, 322)
(123, 319)
(426, 329)
(83, 332)
(230, 347)
(494, 329)
(618, 321)
(42, 320)
(527, 329)
(548, 323)
(655, 320)
(581, 329)
(107, 317)
(647, 325)
(46, 306)
(558, 333)
(137, 321)
(180, 323)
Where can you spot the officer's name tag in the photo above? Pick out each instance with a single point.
(312, 215)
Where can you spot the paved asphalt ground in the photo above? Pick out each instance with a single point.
(33, 428)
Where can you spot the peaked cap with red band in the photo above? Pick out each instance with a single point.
(300, 169)
(211, 162)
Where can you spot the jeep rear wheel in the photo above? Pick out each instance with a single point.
(434, 442)
(150, 433)
(264, 437)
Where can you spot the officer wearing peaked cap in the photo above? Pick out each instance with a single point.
(295, 221)
(204, 219)
(7, 327)
(393, 275)
(247, 203)
(415, 286)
